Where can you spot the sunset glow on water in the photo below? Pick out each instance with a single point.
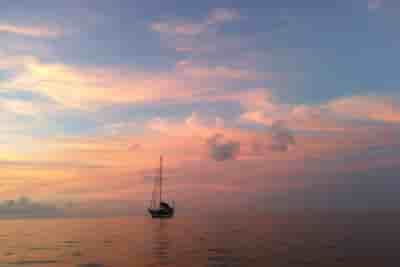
(277, 240)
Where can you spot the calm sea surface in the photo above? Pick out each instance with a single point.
(276, 240)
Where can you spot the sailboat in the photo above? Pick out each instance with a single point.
(159, 208)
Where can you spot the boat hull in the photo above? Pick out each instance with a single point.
(161, 213)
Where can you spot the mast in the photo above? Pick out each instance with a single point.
(160, 178)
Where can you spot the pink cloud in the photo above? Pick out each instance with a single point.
(192, 126)
(375, 108)
(32, 31)
(334, 116)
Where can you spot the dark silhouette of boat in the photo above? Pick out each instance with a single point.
(158, 207)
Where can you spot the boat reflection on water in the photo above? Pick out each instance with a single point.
(161, 244)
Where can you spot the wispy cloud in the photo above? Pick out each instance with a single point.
(118, 128)
(178, 28)
(31, 31)
(182, 27)
(17, 106)
(222, 15)
(375, 4)
(195, 36)
(202, 72)
(88, 87)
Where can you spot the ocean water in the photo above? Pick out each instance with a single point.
(344, 239)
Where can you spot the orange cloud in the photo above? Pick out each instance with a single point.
(376, 108)
(87, 87)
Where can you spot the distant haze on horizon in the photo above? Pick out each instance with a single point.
(271, 105)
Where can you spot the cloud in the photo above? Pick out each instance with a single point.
(85, 88)
(374, 108)
(261, 107)
(194, 125)
(185, 152)
(222, 15)
(282, 137)
(186, 28)
(159, 124)
(188, 36)
(50, 164)
(207, 72)
(337, 115)
(134, 147)
(260, 99)
(22, 107)
(31, 31)
(88, 88)
(375, 4)
(278, 139)
(177, 28)
(221, 149)
(26, 208)
(119, 128)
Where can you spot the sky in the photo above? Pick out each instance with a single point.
(271, 105)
